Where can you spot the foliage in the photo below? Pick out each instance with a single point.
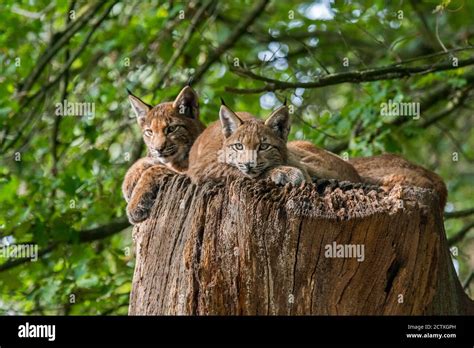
(61, 175)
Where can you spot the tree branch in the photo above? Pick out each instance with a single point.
(84, 237)
(457, 101)
(57, 119)
(195, 21)
(41, 92)
(427, 103)
(459, 236)
(455, 141)
(392, 72)
(459, 214)
(55, 46)
(239, 30)
(425, 27)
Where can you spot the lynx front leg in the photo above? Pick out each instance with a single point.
(144, 193)
(283, 175)
(134, 174)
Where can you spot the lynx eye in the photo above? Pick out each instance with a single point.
(171, 129)
(148, 132)
(264, 146)
(238, 146)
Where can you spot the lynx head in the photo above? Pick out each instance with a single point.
(254, 146)
(169, 129)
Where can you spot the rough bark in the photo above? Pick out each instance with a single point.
(252, 248)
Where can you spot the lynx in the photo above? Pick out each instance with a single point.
(389, 170)
(240, 145)
(169, 130)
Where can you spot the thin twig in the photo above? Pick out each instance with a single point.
(437, 34)
(425, 27)
(64, 93)
(195, 21)
(42, 92)
(55, 46)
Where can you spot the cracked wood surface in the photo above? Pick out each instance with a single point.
(252, 248)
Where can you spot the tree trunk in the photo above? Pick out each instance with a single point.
(252, 248)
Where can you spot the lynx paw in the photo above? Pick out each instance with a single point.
(285, 175)
(144, 194)
(139, 207)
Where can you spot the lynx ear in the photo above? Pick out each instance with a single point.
(139, 107)
(187, 103)
(279, 122)
(229, 121)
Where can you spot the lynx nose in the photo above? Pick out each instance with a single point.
(160, 148)
(249, 166)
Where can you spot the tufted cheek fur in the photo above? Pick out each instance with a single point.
(231, 156)
(159, 119)
(251, 135)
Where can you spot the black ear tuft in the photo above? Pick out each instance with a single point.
(129, 92)
(284, 103)
(223, 102)
(190, 81)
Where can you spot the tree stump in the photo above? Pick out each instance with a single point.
(252, 248)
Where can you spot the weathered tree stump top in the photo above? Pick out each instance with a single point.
(251, 247)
